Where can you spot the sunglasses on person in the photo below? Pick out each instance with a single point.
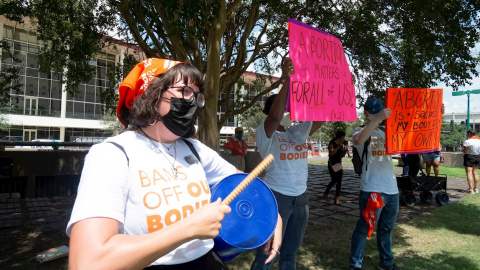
(188, 95)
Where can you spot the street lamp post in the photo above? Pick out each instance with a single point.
(474, 119)
(467, 92)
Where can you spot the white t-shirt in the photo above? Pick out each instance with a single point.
(144, 196)
(473, 146)
(288, 172)
(379, 177)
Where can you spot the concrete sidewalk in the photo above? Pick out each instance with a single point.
(36, 214)
(50, 214)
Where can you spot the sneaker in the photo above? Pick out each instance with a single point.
(470, 191)
(475, 190)
(392, 267)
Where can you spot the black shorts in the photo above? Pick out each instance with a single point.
(471, 160)
(209, 261)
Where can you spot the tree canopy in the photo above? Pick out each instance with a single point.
(395, 43)
(453, 136)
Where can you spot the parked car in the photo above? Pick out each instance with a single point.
(42, 147)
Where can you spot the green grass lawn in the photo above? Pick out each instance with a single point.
(453, 171)
(446, 239)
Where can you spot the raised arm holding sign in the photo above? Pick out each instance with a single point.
(416, 120)
(322, 87)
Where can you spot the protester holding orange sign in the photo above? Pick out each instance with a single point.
(416, 120)
(379, 198)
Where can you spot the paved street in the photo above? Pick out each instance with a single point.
(49, 214)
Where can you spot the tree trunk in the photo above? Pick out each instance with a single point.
(209, 132)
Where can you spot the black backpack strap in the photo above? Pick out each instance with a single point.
(192, 148)
(123, 150)
(365, 153)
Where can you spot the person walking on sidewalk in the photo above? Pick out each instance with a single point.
(378, 184)
(471, 160)
(336, 151)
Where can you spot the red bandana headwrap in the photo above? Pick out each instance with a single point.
(375, 201)
(137, 81)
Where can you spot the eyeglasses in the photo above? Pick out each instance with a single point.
(188, 95)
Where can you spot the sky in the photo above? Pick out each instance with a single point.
(458, 104)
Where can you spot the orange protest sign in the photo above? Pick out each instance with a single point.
(416, 120)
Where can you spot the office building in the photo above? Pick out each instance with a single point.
(43, 110)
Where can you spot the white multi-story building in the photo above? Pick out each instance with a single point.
(461, 118)
(43, 110)
(228, 130)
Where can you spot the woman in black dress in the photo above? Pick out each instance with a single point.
(336, 151)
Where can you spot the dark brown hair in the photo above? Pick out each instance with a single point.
(268, 104)
(144, 108)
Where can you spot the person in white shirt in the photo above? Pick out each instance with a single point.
(144, 197)
(287, 175)
(377, 178)
(471, 159)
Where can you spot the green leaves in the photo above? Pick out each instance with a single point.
(452, 136)
(395, 43)
(406, 43)
(9, 79)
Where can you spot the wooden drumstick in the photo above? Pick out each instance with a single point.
(260, 167)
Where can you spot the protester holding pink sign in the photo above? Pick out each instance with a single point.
(322, 88)
(287, 175)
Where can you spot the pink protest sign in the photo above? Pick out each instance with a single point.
(321, 88)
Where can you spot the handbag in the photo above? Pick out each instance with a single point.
(336, 167)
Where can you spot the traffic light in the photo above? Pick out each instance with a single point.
(451, 123)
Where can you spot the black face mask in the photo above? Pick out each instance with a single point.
(181, 117)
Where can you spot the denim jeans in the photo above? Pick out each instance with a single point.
(294, 213)
(385, 221)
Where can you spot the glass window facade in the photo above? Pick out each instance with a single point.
(221, 111)
(41, 92)
(28, 133)
(87, 103)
